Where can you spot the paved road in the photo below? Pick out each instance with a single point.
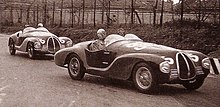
(30, 83)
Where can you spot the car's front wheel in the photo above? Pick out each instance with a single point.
(30, 49)
(194, 84)
(11, 45)
(144, 78)
(75, 68)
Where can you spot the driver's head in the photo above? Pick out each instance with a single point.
(101, 34)
(121, 31)
(40, 25)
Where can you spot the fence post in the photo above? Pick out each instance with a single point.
(73, 20)
(28, 15)
(11, 15)
(37, 13)
(161, 16)
(61, 13)
(103, 4)
(34, 14)
(108, 14)
(155, 12)
(94, 24)
(182, 6)
(132, 11)
(21, 12)
(83, 13)
(53, 13)
(45, 12)
(218, 11)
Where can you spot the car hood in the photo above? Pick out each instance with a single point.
(42, 35)
(124, 47)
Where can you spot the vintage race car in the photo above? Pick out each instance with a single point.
(37, 41)
(130, 58)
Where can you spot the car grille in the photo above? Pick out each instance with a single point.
(185, 67)
(53, 45)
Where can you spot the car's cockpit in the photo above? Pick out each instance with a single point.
(103, 58)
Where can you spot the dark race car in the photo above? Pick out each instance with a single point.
(37, 41)
(130, 58)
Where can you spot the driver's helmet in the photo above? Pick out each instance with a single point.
(101, 34)
(40, 25)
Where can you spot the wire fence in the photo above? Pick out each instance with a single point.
(52, 14)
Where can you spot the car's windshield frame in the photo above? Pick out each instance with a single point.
(110, 39)
(34, 30)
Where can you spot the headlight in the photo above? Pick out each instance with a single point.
(194, 58)
(69, 43)
(62, 41)
(165, 67)
(42, 41)
(37, 45)
(206, 63)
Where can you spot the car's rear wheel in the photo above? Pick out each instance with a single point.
(144, 78)
(11, 47)
(194, 84)
(75, 68)
(30, 49)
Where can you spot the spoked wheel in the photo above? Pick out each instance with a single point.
(144, 78)
(11, 45)
(194, 85)
(75, 68)
(30, 50)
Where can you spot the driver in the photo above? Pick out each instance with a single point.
(99, 44)
(40, 26)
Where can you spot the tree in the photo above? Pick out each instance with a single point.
(202, 9)
(155, 12)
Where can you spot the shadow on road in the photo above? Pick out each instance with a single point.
(37, 57)
(165, 89)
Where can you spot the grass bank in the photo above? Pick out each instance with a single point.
(174, 34)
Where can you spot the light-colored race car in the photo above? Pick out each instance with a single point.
(37, 41)
(130, 58)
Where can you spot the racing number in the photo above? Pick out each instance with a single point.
(136, 46)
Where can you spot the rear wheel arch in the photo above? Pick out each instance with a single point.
(70, 55)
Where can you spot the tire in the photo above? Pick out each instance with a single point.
(30, 50)
(75, 67)
(144, 78)
(11, 46)
(194, 85)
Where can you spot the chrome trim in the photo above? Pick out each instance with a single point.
(54, 45)
(187, 64)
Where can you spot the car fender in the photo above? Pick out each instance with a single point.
(15, 36)
(122, 66)
(134, 58)
(61, 56)
(23, 46)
